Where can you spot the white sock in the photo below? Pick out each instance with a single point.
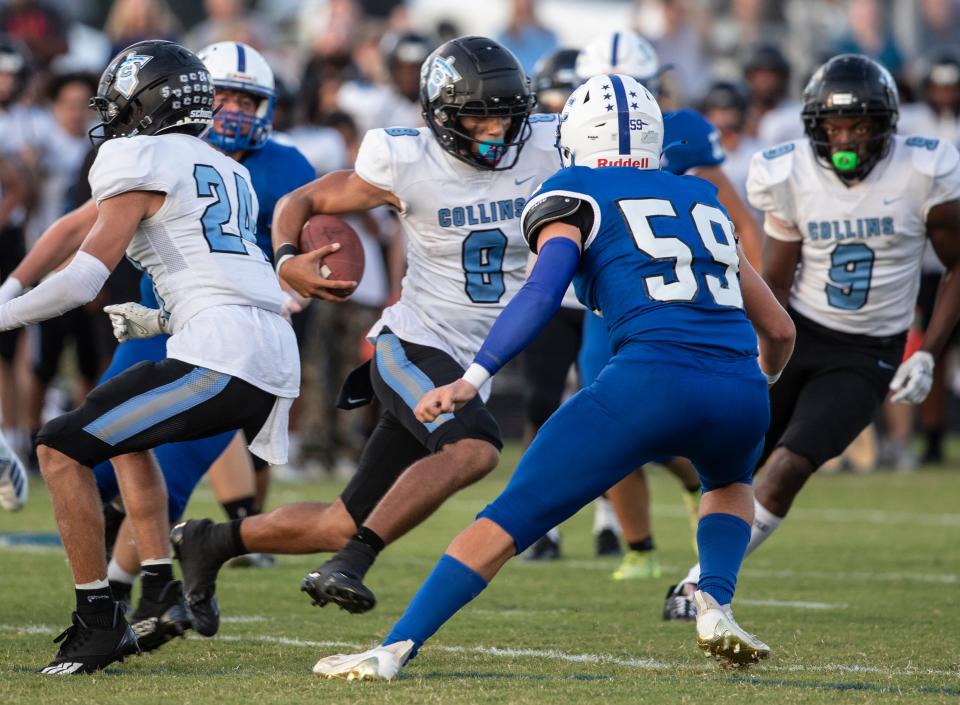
(693, 576)
(554, 535)
(157, 561)
(765, 523)
(604, 517)
(95, 585)
(118, 575)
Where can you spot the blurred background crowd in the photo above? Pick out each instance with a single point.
(346, 66)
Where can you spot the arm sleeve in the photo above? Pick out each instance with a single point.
(126, 164)
(75, 285)
(534, 305)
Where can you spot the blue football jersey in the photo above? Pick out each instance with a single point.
(661, 263)
(689, 141)
(275, 171)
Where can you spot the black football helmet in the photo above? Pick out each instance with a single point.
(851, 85)
(153, 87)
(475, 77)
(554, 79)
(15, 59)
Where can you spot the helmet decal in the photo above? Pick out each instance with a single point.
(128, 71)
(440, 73)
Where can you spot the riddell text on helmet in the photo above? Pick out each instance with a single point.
(639, 163)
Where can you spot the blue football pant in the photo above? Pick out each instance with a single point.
(182, 464)
(640, 407)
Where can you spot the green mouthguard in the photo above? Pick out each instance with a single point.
(845, 160)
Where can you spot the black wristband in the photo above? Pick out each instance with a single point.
(287, 248)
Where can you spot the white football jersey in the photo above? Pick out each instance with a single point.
(862, 245)
(466, 256)
(200, 250)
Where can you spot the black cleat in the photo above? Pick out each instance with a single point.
(543, 549)
(608, 544)
(679, 606)
(86, 649)
(199, 574)
(156, 623)
(336, 583)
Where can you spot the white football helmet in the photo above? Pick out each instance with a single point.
(236, 66)
(619, 52)
(611, 120)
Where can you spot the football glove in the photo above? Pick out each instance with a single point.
(131, 320)
(911, 384)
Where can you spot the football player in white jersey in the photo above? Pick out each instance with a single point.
(853, 204)
(459, 186)
(185, 213)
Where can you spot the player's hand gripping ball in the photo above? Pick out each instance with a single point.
(346, 264)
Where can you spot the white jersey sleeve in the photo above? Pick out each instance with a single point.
(937, 162)
(126, 164)
(381, 158)
(768, 186)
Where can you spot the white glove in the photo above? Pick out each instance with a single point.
(131, 320)
(293, 303)
(911, 384)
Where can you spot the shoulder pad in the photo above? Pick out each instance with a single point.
(551, 207)
(773, 166)
(767, 187)
(932, 157)
(543, 133)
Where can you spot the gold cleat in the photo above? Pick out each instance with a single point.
(380, 663)
(720, 637)
(638, 565)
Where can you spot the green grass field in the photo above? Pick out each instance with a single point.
(857, 594)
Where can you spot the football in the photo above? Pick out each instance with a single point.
(346, 264)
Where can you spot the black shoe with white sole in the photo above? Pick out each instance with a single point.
(87, 649)
(157, 622)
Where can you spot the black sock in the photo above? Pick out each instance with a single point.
(155, 578)
(96, 606)
(224, 542)
(934, 449)
(642, 545)
(369, 537)
(241, 508)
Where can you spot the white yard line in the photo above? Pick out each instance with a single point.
(793, 604)
(551, 654)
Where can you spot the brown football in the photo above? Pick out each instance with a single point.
(346, 264)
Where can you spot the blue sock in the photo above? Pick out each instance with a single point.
(446, 590)
(722, 540)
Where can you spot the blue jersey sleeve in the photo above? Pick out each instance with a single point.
(689, 141)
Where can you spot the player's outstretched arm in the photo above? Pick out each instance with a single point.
(774, 327)
(914, 378)
(80, 281)
(751, 236)
(336, 193)
(518, 324)
(57, 243)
